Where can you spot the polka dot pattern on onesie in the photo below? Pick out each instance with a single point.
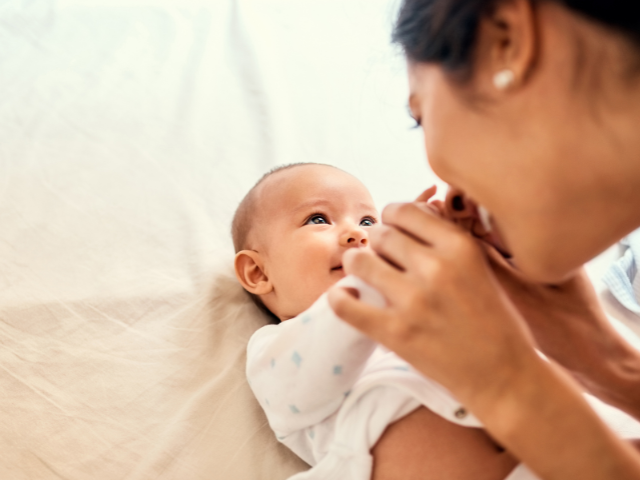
(296, 358)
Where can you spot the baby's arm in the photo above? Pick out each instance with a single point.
(302, 369)
(425, 445)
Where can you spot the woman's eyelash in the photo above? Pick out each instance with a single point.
(417, 120)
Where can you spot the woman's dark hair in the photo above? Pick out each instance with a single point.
(445, 31)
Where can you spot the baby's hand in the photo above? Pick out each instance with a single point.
(436, 207)
(464, 212)
(456, 208)
(461, 210)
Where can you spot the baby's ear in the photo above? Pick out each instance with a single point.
(250, 272)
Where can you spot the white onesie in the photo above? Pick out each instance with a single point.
(329, 392)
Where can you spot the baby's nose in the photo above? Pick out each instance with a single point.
(355, 238)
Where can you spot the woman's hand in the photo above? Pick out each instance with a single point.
(570, 327)
(447, 315)
(567, 320)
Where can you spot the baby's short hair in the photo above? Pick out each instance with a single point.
(243, 218)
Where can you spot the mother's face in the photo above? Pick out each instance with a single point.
(528, 159)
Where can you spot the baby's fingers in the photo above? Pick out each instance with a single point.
(439, 208)
(427, 194)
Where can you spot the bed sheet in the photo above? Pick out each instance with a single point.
(129, 132)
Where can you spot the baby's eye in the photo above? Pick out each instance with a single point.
(367, 222)
(317, 220)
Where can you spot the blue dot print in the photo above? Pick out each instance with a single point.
(294, 409)
(337, 370)
(296, 358)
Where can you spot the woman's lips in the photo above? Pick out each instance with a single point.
(493, 238)
(483, 226)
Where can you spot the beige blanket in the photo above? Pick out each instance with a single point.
(129, 131)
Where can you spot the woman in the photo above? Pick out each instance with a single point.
(532, 109)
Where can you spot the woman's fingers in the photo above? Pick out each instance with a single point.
(375, 271)
(370, 320)
(423, 225)
(445, 313)
(439, 207)
(397, 247)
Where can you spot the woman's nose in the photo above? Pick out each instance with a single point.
(356, 237)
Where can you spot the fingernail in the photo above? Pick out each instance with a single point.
(457, 203)
(485, 218)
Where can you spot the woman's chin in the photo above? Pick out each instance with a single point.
(547, 271)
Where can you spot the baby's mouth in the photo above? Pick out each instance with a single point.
(338, 268)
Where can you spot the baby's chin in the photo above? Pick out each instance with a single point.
(308, 298)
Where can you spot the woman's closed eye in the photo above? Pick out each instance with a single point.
(415, 118)
(317, 219)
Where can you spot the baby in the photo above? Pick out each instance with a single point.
(345, 405)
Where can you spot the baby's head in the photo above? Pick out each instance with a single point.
(291, 230)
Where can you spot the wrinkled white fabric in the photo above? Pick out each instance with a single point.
(622, 276)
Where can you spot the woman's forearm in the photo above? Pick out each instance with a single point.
(544, 420)
(570, 326)
(614, 377)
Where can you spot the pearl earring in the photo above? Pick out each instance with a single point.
(504, 79)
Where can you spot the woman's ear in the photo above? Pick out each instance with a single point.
(508, 43)
(250, 272)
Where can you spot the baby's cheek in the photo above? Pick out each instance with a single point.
(305, 271)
